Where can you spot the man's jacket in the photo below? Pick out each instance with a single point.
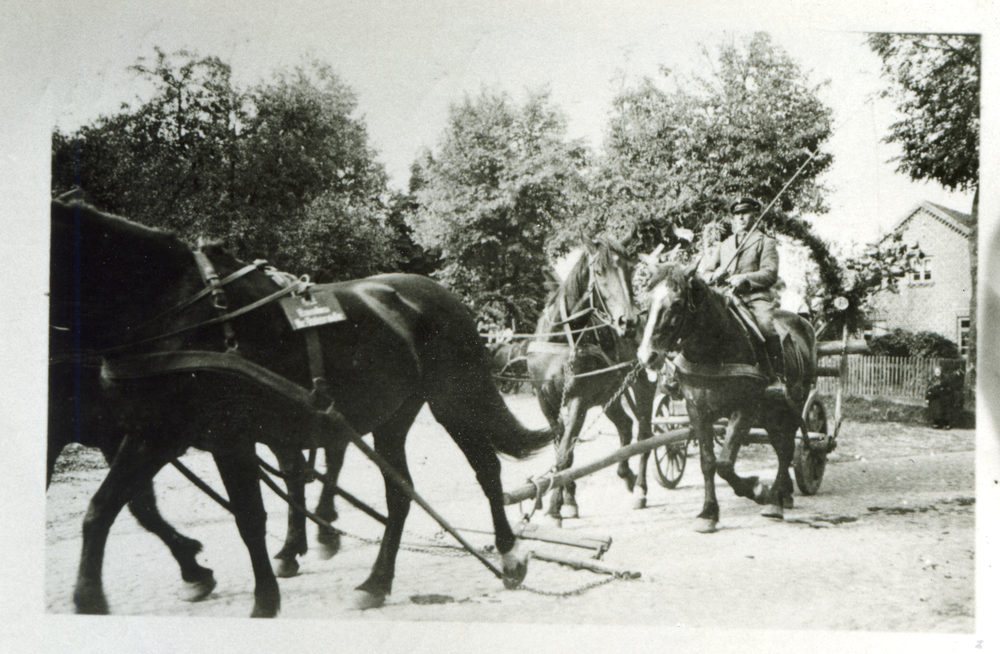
(758, 261)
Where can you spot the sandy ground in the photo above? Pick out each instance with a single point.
(887, 545)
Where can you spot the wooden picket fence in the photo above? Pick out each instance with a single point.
(897, 377)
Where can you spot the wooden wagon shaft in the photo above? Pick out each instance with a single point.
(756, 434)
(536, 532)
(545, 483)
(853, 346)
(586, 565)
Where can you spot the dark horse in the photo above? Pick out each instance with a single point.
(122, 291)
(79, 411)
(583, 350)
(719, 377)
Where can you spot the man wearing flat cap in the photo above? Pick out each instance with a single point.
(748, 263)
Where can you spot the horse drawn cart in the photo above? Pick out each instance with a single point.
(672, 437)
(670, 414)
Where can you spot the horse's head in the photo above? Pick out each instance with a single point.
(670, 311)
(106, 273)
(611, 284)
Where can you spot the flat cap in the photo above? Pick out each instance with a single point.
(745, 205)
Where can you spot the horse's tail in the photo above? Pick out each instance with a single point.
(471, 408)
(518, 441)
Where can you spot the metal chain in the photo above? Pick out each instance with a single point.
(570, 593)
(626, 382)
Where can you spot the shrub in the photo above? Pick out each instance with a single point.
(903, 343)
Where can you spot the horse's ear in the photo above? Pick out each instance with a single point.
(653, 258)
(631, 238)
(692, 268)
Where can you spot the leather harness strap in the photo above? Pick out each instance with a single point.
(219, 299)
(322, 398)
(715, 370)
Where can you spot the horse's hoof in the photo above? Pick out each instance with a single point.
(287, 568)
(90, 603)
(639, 503)
(553, 520)
(773, 511)
(364, 600)
(515, 566)
(262, 611)
(571, 511)
(196, 591)
(706, 526)
(760, 493)
(329, 545)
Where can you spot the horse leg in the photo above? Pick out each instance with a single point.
(779, 496)
(576, 414)
(134, 467)
(238, 469)
(623, 424)
(736, 431)
(483, 459)
(292, 465)
(643, 393)
(472, 435)
(329, 539)
(199, 581)
(708, 520)
(390, 440)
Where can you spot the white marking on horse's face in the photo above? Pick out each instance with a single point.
(647, 354)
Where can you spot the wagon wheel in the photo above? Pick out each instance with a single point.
(811, 464)
(670, 459)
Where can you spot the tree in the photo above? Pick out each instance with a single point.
(282, 171)
(935, 81)
(676, 158)
(168, 162)
(304, 154)
(502, 179)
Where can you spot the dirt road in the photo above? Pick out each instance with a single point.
(887, 545)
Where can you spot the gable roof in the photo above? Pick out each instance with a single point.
(955, 220)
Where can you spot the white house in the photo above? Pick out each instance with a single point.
(936, 297)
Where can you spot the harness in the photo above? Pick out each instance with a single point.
(230, 361)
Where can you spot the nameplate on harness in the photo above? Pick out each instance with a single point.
(316, 306)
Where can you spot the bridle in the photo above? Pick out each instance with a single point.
(686, 317)
(592, 303)
(214, 286)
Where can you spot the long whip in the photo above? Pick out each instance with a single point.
(739, 251)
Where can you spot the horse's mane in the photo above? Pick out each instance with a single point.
(675, 275)
(575, 285)
(122, 227)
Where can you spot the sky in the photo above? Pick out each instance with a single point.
(408, 61)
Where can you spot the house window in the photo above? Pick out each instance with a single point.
(963, 336)
(921, 272)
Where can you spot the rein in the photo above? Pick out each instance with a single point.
(229, 362)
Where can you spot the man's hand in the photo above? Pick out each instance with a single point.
(740, 283)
